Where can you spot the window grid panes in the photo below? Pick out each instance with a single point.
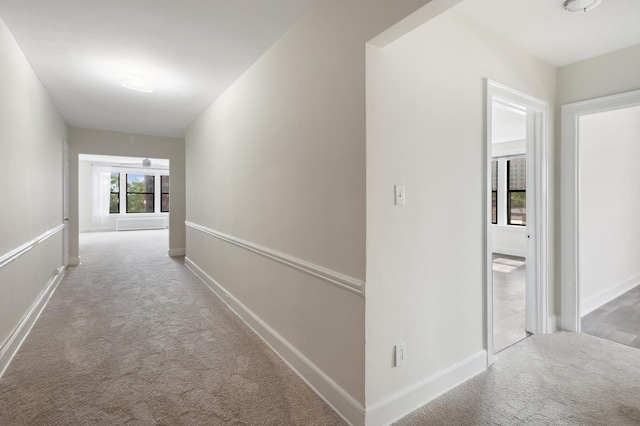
(164, 194)
(516, 192)
(494, 192)
(114, 200)
(140, 193)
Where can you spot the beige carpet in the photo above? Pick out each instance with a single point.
(131, 337)
(558, 379)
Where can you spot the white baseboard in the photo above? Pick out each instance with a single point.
(177, 252)
(608, 295)
(510, 251)
(74, 261)
(10, 348)
(343, 403)
(412, 398)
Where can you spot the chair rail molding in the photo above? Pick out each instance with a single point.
(14, 254)
(345, 282)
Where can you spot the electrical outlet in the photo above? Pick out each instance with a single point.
(400, 354)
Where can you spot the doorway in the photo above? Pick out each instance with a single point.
(123, 194)
(599, 240)
(508, 221)
(516, 229)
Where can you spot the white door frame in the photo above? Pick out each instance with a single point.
(66, 168)
(537, 213)
(570, 215)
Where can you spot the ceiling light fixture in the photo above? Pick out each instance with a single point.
(139, 83)
(580, 6)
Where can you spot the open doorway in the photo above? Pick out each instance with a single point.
(118, 194)
(516, 232)
(587, 195)
(605, 291)
(508, 222)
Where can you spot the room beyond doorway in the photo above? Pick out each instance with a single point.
(509, 281)
(508, 222)
(516, 213)
(123, 194)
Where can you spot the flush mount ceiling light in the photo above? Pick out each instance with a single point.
(580, 6)
(139, 83)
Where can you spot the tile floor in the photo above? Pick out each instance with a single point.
(618, 320)
(509, 278)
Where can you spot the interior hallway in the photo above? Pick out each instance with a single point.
(133, 337)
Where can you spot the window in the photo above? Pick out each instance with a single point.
(114, 201)
(140, 193)
(164, 194)
(494, 192)
(516, 192)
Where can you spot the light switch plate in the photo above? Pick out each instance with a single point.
(400, 194)
(400, 354)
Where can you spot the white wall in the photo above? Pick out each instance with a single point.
(609, 203)
(279, 161)
(609, 74)
(31, 144)
(86, 218)
(425, 260)
(101, 142)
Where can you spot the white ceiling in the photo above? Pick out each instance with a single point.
(191, 50)
(546, 31)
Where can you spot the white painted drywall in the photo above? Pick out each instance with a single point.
(86, 218)
(102, 142)
(615, 72)
(426, 130)
(279, 160)
(32, 132)
(609, 202)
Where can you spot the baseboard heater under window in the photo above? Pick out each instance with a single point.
(138, 223)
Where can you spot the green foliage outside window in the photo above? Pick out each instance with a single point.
(140, 193)
(114, 201)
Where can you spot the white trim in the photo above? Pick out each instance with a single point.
(537, 216)
(552, 324)
(343, 403)
(408, 400)
(607, 295)
(177, 252)
(12, 345)
(336, 278)
(570, 113)
(14, 254)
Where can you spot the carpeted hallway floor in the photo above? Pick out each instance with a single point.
(552, 380)
(131, 337)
